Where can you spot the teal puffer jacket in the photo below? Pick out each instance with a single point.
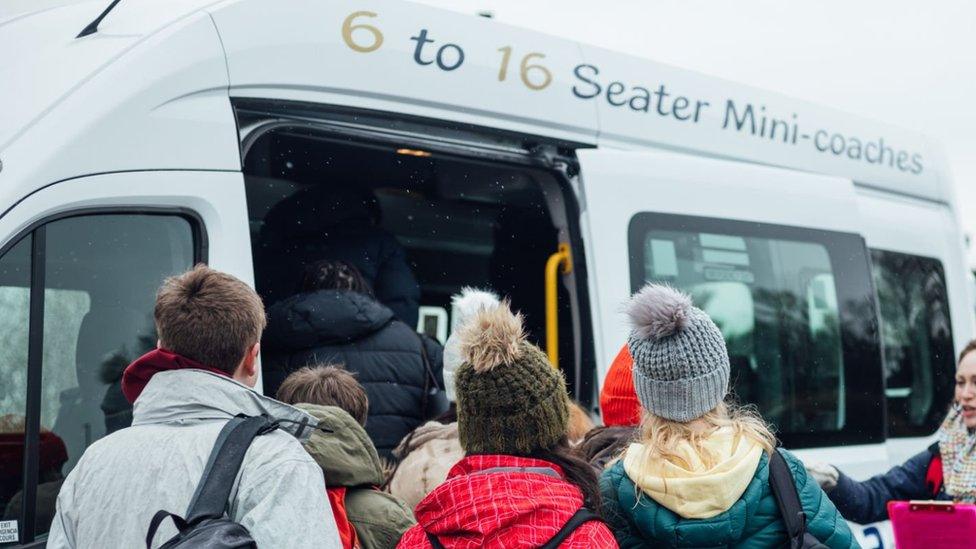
(752, 521)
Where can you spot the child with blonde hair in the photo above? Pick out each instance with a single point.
(699, 473)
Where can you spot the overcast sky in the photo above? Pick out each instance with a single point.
(907, 62)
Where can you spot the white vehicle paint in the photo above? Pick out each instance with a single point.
(141, 115)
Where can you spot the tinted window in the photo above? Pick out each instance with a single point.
(99, 275)
(796, 309)
(916, 330)
(15, 304)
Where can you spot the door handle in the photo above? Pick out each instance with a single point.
(559, 262)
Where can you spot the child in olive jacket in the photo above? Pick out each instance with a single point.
(352, 468)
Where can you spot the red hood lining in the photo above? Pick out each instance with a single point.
(137, 375)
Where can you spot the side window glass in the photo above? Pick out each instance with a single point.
(774, 301)
(795, 308)
(101, 276)
(916, 330)
(15, 304)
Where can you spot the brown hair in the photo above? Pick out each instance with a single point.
(576, 472)
(326, 386)
(970, 347)
(208, 316)
(579, 423)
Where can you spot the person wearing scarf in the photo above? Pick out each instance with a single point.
(945, 471)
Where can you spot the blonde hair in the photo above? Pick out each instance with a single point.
(661, 437)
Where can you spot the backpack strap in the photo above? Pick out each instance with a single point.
(578, 519)
(158, 519)
(434, 542)
(213, 491)
(933, 475)
(783, 486)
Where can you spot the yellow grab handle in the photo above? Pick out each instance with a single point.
(561, 259)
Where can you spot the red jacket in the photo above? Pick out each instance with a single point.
(502, 510)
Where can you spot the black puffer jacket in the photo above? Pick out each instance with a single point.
(329, 326)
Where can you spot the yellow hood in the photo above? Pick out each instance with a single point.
(690, 489)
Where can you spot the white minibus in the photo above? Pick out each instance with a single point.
(140, 139)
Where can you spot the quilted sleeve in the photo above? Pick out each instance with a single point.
(824, 520)
(614, 513)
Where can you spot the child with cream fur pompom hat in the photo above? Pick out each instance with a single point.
(432, 449)
(519, 484)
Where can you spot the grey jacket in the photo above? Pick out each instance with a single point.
(121, 481)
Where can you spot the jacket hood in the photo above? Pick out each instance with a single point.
(688, 487)
(604, 444)
(191, 395)
(323, 317)
(346, 455)
(427, 432)
(482, 508)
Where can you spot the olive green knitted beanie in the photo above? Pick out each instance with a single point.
(510, 400)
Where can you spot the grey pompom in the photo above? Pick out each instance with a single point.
(658, 311)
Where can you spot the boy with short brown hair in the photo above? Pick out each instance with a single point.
(201, 375)
(208, 316)
(352, 468)
(327, 386)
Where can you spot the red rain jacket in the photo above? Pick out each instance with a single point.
(502, 510)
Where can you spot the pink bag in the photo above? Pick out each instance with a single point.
(933, 524)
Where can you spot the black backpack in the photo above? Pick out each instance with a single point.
(783, 486)
(205, 526)
(582, 516)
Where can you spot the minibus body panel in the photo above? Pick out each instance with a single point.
(407, 58)
(158, 102)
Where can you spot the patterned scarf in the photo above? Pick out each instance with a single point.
(957, 444)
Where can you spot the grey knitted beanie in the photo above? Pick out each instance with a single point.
(681, 365)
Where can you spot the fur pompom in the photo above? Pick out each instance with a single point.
(469, 302)
(658, 311)
(492, 337)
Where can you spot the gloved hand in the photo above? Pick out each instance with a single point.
(825, 474)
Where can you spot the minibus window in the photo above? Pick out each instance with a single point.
(778, 296)
(100, 273)
(15, 303)
(916, 332)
